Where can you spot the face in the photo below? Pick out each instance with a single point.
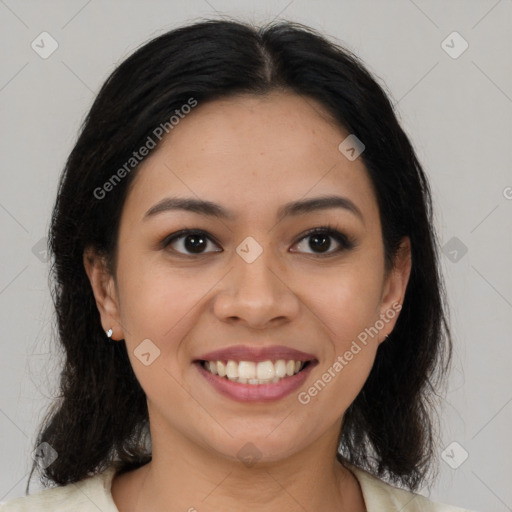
(249, 240)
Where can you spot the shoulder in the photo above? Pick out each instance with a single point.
(379, 495)
(89, 494)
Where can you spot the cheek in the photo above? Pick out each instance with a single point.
(349, 355)
(347, 299)
(158, 304)
(160, 309)
(152, 292)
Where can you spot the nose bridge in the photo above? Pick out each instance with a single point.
(254, 292)
(253, 273)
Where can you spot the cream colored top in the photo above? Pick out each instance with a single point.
(93, 494)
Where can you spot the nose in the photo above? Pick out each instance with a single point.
(256, 294)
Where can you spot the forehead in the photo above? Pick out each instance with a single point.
(252, 153)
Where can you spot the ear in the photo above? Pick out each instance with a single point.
(104, 289)
(394, 288)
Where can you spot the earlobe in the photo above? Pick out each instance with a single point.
(104, 290)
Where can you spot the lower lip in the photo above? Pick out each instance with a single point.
(256, 392)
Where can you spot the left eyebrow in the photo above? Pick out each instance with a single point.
(294, 208)
(318, 203)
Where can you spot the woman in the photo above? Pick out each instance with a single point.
(246, 285)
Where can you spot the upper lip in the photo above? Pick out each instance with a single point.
(256, 354)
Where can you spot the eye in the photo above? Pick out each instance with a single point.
(320, 241)
(317, 241)
(190, 242)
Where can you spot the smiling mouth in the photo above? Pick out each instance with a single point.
(255, 373)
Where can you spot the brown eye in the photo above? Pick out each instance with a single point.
(323, 241)
(190, 242)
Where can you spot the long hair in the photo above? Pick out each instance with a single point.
(100, 416)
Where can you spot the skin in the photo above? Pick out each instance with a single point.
(250, 155)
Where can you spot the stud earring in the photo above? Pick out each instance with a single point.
(109, 333)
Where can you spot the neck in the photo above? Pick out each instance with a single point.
(183, 476)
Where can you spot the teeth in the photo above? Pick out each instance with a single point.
(232, 370)
(250, 372)
(246, 370)
(280, 367)
(221, 368)
(265, 370)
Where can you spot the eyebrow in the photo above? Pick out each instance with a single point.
(294, 208)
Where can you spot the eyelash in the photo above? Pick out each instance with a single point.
(345, 242)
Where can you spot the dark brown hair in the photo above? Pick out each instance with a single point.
(101, 415)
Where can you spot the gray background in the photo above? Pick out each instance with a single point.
(457, 111)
